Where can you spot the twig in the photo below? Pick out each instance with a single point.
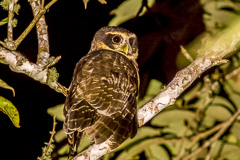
(20, 64)
(208, 157)
(42, 6)
(42, 33)
(186, 54)
(215, 137)
(233, 73)
(181, 148)
(51, 138)
(203, 135)
(10, 20)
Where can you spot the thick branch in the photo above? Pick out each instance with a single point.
(18, 63)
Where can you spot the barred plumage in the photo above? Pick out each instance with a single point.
(102, 96)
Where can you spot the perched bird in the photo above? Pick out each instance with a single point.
(101, 102)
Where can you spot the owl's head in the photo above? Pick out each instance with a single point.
(116, 39)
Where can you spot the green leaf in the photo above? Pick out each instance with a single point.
(60, 135)
(232, 86)
(3, 21)
(175, 146)
(235, 130)
(218, 112)
(230, 152)
(221, 101)
(138, 148)
(58, 111)
(178, 128)
(171, 116)
(204, 100)
(208, 122)
(156, 152)
(6, 86)
(8, 108)
(127, 10)
(85, 142)
(142, 133)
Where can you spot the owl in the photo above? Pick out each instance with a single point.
(101, 102)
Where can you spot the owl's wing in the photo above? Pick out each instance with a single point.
(112, 91)
(78, 113)
(102, 97)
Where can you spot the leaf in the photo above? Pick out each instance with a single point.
(142, 133)
(8, 108)
(85, 142)
(171, 116)
(3, 21)
(230, 152)
(175, 146)
(139, 147)
(178, 128)
(6, 86)
(208, 122)
(218, 17)
(58, 111)
(127, 10)
(235, 130)
(221, 101)
(204, 100)
(102, 1)
(85, 2)
(218, 112)
(60, 135)
(156, 152)
(232, 86)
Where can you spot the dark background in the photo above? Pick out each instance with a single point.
(71, 28)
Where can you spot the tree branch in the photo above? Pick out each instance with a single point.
(10, 20)
(40, 71)
(20, 64)
(42, 33)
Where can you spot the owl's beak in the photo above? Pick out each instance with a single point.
(125, 49)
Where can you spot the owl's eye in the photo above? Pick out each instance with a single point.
(116, 39)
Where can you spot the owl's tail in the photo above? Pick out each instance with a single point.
(74, 141)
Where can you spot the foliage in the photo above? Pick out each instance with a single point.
(8, 108)
(3, 21)
(5, 5)
(128, 10)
